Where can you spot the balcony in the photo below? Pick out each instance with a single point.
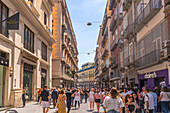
(127, 4)
(105, 38)
(114, 76)
(121, 66)
(104, 24)
(105, 53)
(151, 9)
(129, 31)
(114, 45)
(148, 60)
(67, 77)
(113, 23)
(63, 60)
(114, 63)
(129, 60)
(120, 18)
(112, 2)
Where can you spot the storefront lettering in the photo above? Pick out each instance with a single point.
(150, 75)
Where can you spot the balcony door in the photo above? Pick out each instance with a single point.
(156, 48)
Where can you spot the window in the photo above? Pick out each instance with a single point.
(139, 8)
(28, 39)
(31, 0)
(45, 19)
(3, 16)
(44, 51)
(141, 49)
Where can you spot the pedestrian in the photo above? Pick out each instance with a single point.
(85, 95)
(130, 91)
(91, 99)
(165, 99)
(24, 97)
(68, 95)
(141, 99)
(39, 93)
(155, 100)
(45, 99)
(98, 97)
(61, 105)
(54, 96)
(149, 103)
(136, 101)
(123, 95)
(81, 95)
(113, 103)
(72, 100)
(77, 98)
(130, 106)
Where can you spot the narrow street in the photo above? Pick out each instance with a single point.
(34, 108)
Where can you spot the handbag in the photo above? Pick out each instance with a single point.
(26, 97)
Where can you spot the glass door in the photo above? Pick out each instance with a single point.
(1, 85)
(27, 83)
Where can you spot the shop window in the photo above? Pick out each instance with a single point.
(28, 39)
(44, 51)
(3, 16)
(43, 77)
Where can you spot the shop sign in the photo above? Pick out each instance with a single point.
(150, 75)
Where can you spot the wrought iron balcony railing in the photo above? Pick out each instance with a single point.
(151, 9)
(129, 60)
(126, 4)
(129, 31)
(150, 58)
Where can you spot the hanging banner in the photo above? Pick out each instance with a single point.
(13, 22)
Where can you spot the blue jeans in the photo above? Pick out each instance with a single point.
(112, 111)
(72, 101)
(86, 98)
(155, 109)
(164, 105)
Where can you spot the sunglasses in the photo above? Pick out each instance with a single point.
(130, 97)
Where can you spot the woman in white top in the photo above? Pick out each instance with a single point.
(165, 99)
(91, 98)
(113, 103)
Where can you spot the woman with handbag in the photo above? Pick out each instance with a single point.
(61, 105)
(98, 97)
(165, 99)
(24, 97)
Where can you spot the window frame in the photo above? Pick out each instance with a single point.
(44, 51)
(27, 45)
(2, 6)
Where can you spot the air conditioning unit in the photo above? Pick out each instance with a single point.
(165, 44)
(163, 54)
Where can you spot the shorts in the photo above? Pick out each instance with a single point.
(97, 100)
(45, 104)
(91, 99)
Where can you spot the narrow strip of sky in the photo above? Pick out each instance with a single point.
(82, 12)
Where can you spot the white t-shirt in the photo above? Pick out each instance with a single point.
(123, 95)
(113, 104)
(149, 98)
(91, 94)
(165, 96)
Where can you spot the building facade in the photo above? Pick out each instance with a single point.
(86, 76)
(26, 53)
(140, 43)
(65, 52)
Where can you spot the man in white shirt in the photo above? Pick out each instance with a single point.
(149, 103)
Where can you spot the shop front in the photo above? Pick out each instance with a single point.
(27, 79)
(3, 64)
(151, 79)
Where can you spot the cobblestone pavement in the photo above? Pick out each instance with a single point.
(34, 108)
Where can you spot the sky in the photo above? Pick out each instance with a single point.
(82, 12)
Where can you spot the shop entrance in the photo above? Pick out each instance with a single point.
(143, 83)
(1, 85)
(158, 81)
(27, 80)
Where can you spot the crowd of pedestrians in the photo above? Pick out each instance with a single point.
(113, 100)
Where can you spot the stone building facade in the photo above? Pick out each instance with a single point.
(25, 54)
(65, 52)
